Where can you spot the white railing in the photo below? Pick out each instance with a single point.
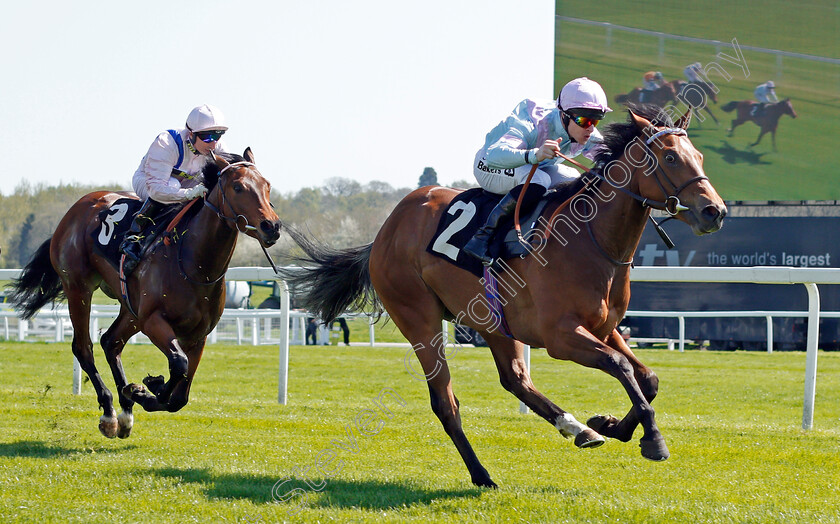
(809, 277)
(718, 45)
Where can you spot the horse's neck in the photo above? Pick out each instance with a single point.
(619, 221)
(209, 243)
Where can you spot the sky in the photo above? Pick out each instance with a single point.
(367, 90)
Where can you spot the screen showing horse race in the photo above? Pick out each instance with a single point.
(766, 98)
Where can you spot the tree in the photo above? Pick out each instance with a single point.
(428, 178)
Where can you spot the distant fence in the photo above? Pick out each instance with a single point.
(644, 47)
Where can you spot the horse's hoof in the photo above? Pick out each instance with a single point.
(155, 384)
(655, 449)
(601, 423)
(485, 482)
(108, 425)
(589, 439)
(126, 423)
(135, 392)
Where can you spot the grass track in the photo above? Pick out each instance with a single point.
(731, 420)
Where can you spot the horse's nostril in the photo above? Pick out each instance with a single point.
(270, 228)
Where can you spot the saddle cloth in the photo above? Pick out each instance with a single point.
(115, 222)
(469, 210)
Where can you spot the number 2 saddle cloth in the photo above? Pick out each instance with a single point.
(469, 210)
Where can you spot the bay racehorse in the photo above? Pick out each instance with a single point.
(567, 296)
(177, 292)
(660, 96)
(696, 95)
(767, 120)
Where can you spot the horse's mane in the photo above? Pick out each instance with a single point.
(210, 172)
(619, 134)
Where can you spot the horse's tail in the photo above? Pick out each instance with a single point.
(729, 106)
(331, 281)
(37, 285)
(620, 99)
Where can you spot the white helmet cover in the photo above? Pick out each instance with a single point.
(583, 93)
(206, 118)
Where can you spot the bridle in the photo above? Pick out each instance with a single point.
(223, 217)
(671, 204)
(220, 210)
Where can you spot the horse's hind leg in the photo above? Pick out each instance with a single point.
(509, 356)
(113, 341)
(623, 429)
(420, 322)
(78, 303)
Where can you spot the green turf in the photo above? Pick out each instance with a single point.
(732, 421)
(803, 166)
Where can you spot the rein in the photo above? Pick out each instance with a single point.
(223, 217)
(670, 205)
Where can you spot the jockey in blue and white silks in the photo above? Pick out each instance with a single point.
(536, 133)
(168, 174)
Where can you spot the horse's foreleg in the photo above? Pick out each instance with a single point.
(735, 123)
(180, 394)
(113, 341)
(574, 342)
(78, 304)
(623, 429)
(760, 136)
(514, 376)
(161, 334)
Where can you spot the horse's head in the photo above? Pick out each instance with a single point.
(673, 174)
(241, 197)
(787, 107)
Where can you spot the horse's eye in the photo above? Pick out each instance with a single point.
(237, 187)
(670, 158)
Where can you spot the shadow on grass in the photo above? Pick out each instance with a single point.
(333, 493)
(731, 155)
(39, 449)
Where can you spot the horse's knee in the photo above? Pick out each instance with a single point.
(178, 365)
(649, 384)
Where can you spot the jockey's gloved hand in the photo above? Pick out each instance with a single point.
(195, 192)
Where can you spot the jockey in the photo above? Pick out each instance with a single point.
(764, 94)
(692, 73)
(536, 133)
(167, 174)
(651, 81)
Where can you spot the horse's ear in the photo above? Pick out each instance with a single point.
(248, 155)
(220, 162)
(640, 121)
(683, 122)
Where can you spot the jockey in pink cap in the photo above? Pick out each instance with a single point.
(536, 133)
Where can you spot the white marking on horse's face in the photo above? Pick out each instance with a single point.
(568, 425)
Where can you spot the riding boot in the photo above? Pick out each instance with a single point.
(135, 242)
(480, 242)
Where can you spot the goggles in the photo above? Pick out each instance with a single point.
(583, 121)
(209, 136)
